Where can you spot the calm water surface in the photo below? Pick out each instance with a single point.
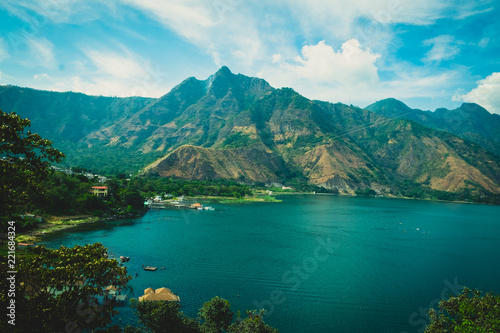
(316, 263)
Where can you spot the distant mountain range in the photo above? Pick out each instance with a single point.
(238, 127)
(469, 121)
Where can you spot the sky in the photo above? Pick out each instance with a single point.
(427, 53)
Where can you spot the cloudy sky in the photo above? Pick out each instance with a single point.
(427, 53)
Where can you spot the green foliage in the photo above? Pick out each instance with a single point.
(254, 323)
(24, 162)
(26, 223)
(62, 288)
(152, 183)
(470, 312)
(67, 194)
(164, 317)
(216, 315)
(108, 160)
(237, 140)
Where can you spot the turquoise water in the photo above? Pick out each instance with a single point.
(316, 263)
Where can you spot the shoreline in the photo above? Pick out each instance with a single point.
(58, 223)
(55, 224)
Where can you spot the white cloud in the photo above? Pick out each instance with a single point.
(3, 50)
(187, 18)
(320, 69)
(351, 75)
(42, 76)
(117, 65)
(226, 30)
(444, 47)
(121, 74)
(57, 11)
(483, 42)
(41, 51)
(107, 73)
(320, 63)
(244, 34)
(486, 94)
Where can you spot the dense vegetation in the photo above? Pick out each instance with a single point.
(215, 316)
(152, 184)
(69, 194)
(61, 289)
(470, 312)
(25, 160)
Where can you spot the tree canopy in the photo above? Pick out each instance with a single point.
(214, 317)
(62, 290)
(25, 160)
(470, 312)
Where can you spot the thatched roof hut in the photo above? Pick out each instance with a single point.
(160, 294)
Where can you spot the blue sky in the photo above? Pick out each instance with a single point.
(427, 53)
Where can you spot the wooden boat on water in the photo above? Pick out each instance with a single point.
(150, 268)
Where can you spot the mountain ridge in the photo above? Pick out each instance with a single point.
(469, 121)
(238, 127)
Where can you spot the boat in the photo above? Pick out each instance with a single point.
(150, 268)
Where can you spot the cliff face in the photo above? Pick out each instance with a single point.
(237, 127)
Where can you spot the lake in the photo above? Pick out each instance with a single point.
(315, 263)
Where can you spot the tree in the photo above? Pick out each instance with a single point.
(469, 312)
(164, 317)
(62, 290)
(25, 160)
(254, 323)
(216, 315)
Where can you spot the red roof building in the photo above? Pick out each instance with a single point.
(100, 191)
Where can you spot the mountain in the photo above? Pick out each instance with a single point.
(67, 118)
(237, 127)
(470, 121)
